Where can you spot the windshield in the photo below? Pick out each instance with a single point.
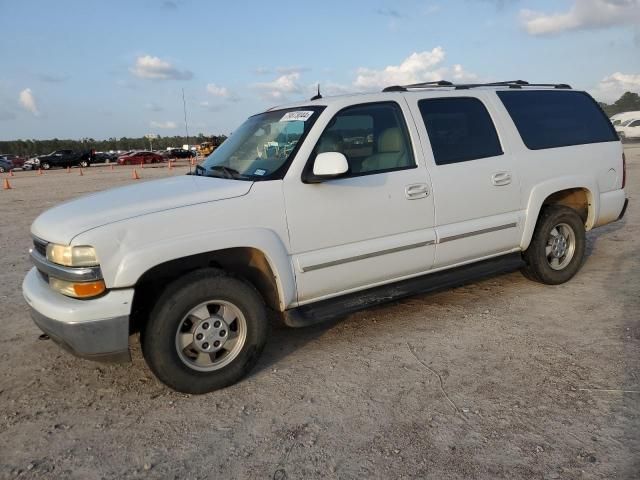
(261, 147)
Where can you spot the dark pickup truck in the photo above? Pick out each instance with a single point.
(67, 158)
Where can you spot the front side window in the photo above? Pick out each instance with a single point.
(551, 118)
(261, 149)
(460, 129)
(373, 137)
(635, 123)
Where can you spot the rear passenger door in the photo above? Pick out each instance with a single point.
(475, 179)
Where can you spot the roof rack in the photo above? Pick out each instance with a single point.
(465, 86)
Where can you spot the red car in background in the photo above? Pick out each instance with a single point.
(138, 158)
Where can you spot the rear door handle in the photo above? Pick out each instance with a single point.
(501, 178)
(417, 190)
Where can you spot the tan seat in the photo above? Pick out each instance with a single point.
(392, 152)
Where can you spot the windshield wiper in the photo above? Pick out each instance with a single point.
(228, 172)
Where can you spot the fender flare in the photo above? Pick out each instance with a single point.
(541, 192)
(134, 261)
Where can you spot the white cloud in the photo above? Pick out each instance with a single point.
(217, 91)
(417, 67)
(281, 87)
(583, 15)
(28, 101)
(612, 87)
(155, 68)
(168, 125)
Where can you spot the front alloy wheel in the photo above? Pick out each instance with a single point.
(206, 332)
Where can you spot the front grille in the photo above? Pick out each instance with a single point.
(40, 246)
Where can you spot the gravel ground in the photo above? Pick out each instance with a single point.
(503, 378)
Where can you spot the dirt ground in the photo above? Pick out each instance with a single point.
(503, 378)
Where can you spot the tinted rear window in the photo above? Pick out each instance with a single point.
(550, 119)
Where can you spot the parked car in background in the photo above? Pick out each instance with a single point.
(5, 165)
(16, 160)
(623, 117)
(178, 153)
(31, 164)
(629, 130)
(138, 158)
(106, 157)
(67, 158)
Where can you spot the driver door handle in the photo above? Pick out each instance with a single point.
(416, 190)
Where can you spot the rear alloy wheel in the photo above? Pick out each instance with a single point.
(45, 166)
(557, 248)
(84, 164)
(206, 332)
(1, 169)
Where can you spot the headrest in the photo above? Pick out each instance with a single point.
(390, 141)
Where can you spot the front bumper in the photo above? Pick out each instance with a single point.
(97, 329)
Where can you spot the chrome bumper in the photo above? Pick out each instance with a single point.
(97, 329)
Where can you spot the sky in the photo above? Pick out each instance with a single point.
(100, 69)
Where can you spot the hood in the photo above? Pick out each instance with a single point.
(63, 222)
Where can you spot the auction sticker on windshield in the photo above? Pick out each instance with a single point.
(301, 115)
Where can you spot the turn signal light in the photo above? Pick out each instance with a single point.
(77, 289)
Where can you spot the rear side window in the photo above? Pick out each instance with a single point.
(550, 119)
(459, 129)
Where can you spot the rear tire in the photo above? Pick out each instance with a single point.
(190, 342)
(45, 166)
(557, 248)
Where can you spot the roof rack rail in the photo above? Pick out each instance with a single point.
(465, 86)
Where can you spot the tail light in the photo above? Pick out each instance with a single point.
(624, 170)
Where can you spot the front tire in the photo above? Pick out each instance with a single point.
(206, 332)
(84, 164)
(557, 248)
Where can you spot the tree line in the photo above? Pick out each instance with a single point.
(31, 147)
(628, 102)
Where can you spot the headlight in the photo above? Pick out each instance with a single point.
(82, 256)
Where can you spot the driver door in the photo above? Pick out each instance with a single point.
(372, 225)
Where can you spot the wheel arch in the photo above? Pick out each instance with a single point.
(579, 194)
(248, 263)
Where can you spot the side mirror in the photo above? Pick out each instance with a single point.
(330, 165)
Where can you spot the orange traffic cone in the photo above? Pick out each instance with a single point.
(6, 185)
(39, 171)
(81, 174)
(68, 169)
(111, 167)
(170, 166)
(11, 173)
(142, 164)
(135, 175)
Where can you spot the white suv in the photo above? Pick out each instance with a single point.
(320, 208)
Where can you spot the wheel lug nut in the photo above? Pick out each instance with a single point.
(216, 343)
(216, 324)
(199, 336)
(223, 333)
(205, 345)
(205, 325)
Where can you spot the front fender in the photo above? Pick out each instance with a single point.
(541, 192)
(125, 262)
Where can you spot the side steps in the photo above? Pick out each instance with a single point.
(337, 307)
